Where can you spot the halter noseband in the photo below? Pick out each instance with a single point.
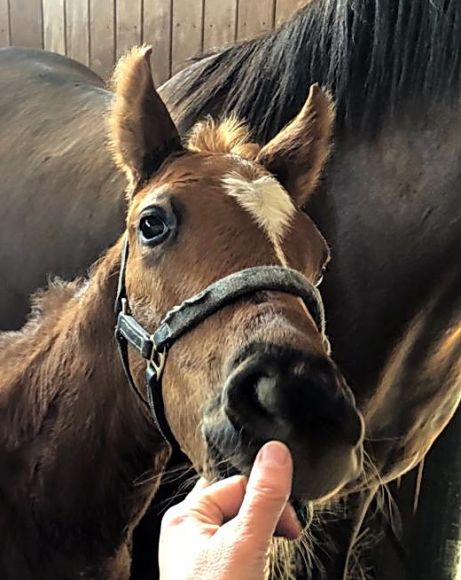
(153, 347)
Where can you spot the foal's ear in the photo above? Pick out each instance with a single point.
(297, 155)
(141, 131)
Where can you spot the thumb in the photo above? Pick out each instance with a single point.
(267, 493)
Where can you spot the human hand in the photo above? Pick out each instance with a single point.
(223, 531)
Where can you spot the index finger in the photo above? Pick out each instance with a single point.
(218, 502)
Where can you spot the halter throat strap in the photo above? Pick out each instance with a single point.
(153, 347)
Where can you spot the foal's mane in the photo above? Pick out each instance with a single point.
(59, 299)
(372, 54)
(45, 310)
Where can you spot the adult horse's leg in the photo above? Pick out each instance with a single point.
(426, 544)
(434, 535)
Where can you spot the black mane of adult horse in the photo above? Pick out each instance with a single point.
(389, 206)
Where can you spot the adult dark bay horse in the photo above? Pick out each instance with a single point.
(225, 348)
(389, 205)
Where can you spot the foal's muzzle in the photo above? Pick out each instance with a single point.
(300, 399)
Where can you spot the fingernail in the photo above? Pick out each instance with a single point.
(274, 452)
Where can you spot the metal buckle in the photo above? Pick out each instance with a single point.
(157, 361)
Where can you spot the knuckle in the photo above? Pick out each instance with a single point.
(174, 516)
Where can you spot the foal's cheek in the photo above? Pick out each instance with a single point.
(186, 395)
(193, 380)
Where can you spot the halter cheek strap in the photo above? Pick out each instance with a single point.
(153, 347)
(128, 332)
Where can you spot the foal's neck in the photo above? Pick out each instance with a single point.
(99, 383)
(91, 452)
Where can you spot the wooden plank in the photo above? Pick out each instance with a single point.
(254, 18)
(285, 9)
(157, 32)
(77, 30)
(128, 25)
(219, 23)
(102, 36)
(187, 32)
(54, 34)
(26, 23)
(4, 24)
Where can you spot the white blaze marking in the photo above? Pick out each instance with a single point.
(266, 201)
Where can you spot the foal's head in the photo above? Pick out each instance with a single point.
(259, 368)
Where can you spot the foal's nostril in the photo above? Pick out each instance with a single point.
(241, 401)
(291, 396)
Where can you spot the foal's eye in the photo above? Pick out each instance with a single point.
(153, 229)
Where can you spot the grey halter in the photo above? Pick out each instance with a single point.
(153, 347)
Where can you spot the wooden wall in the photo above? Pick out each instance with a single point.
(96, 32)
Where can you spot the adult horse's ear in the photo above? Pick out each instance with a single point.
(141, 131)
(297, 155)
